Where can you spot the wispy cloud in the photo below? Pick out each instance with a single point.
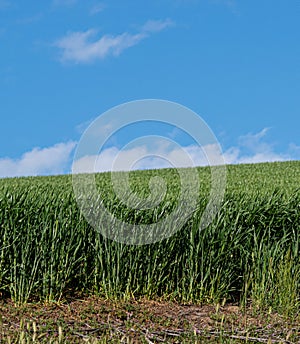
(230, 4)
(152, 26)
(32, 19)
(252, 148)
(78, 46)
(64, 2)
(85, 47)
(2, 31)
(39, 161)
(5, 4)
(97, 8)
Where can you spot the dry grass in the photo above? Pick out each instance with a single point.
(95, 320)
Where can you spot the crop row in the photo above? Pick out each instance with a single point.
(249, 253)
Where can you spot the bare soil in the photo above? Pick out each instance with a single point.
(95, 320)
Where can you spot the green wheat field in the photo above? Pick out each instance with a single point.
(249, 254)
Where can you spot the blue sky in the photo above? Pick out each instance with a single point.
(64, 62)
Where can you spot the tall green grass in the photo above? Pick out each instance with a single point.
(250, 253)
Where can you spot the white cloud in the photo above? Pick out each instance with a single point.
(251, 149)
(39, 161)
(84, 47)
(144, 157)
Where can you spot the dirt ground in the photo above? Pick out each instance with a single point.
(95, 320)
